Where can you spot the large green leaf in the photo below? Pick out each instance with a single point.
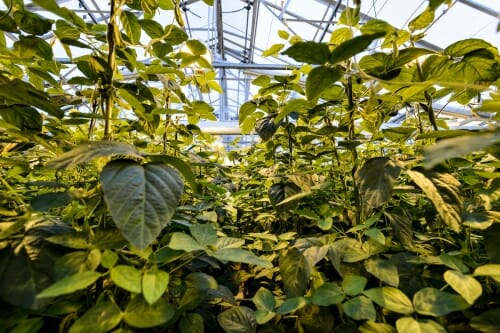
(140, 314)
(329, 293)
(391, 299)
(126, 277)
(19, 92)
(465, 46)
(154, 284)
(353, 46)
(371, 327)
(240, 255)
(181, 241)
(309, 52)
(375, 180)
(32, 23)
(353, 284)
(191, 323)
(423, 20)
(152, 193)
(444, 191)
(100, 318)
(491, 270)
(468, 287)
(23, 117)
(291, 305)
(459, 146)
(384, 270)
(295, 272)
(205, 234)
(487, 322)
(152, 28)
(238, 319)
(68, 14)
(132, 27)
(409, 324)
(70, 284)
(87, 152)
(264, 300)
(433, 302)
(360, 308)
(319, 79)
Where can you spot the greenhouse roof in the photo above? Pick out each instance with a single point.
(239, 32)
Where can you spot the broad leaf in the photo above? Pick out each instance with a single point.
(375, 180)
(371, 327)
(191, 323)
(319, 79)
(443, 190)
(465, 46)
(181, 241)
(152, 192)
(154, 284)
(329, 293)
(487, 322)
(100, 318)
(126, 277)
(353, 46)
(468, 287)
(295, 272)
(264, 300)
(391, 299)
(23, 117)
(459, 146)
(152, 28)
(205, 234)
(353, 284)
(433, 302)
(402, 228)
(140, 314)
(360, 308)
(130, 23)
(291, 305)
(70, 284)
(87, 152)
(491, 270)
(409, 324)
(309, 52)
(423, 20)
(240, 255)
(384, 270)
(238, 319)
(266, 127)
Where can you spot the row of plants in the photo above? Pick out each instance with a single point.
(122, 218)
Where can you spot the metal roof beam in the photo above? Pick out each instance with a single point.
(481, 8)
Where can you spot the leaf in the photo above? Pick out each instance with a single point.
(152, 28)
(391, 299)
(360, 308)
(152, 193)
(273, 50)
(465, 285)
(327, 294)
(309, 52)
(154, 284)
(487, 321)
(175, 35)
(238, 319)
(423, 20)
(409, 54)
(466, 46)
(126, 277)
(19, 92)
(131, 25)
(100, 318)
(242, 256)
(140, 314)
(402, 228)
(265, 128)
(433, 302)
(352, 47)
(375, 180)
(264, 300)
(204, 234)
(353, 284)
(459, 146)
(443, 190)
(384, 270)
(291, 305)
(45, 202)
(23, 117)
(371, 327)
(295, 272)
(86, 152)
(183, 167)
(181, 241)
(491, 270)
(191, 323)
(319, 79)
(32, 23)
(409, 324)
(70, 284)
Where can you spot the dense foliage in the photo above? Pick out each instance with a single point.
(333, 222)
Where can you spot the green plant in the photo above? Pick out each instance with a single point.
(331, 222)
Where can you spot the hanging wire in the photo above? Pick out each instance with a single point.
(235, 11)
(323, 19)
(245, 50)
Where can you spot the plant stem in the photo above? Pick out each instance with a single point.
(112, 64)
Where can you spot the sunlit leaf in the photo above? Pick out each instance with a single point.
(465, 285)
(391, 299)
(70, 284)
(433, 302)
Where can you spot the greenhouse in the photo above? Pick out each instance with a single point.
(247, 166)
